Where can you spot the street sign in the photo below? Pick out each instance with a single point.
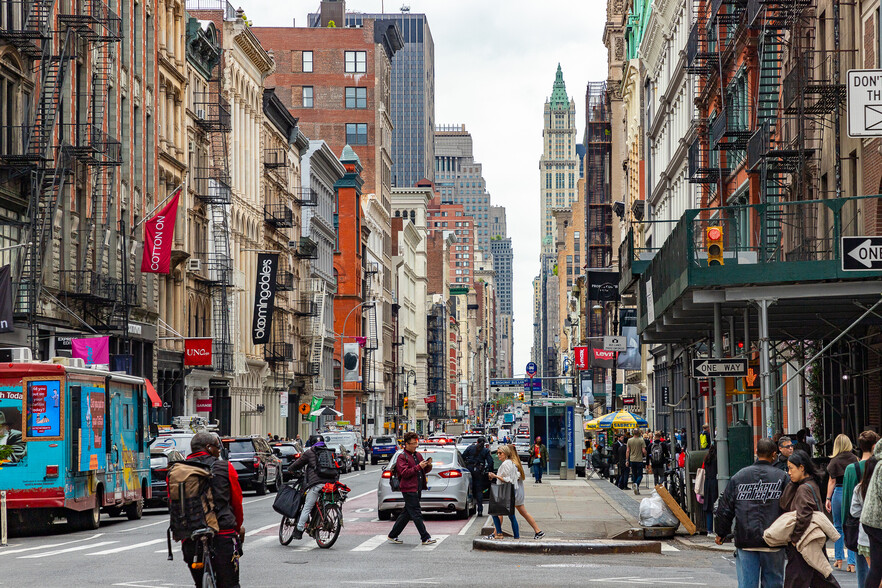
(752, 379)
(861, 253)
(615, 344)
(704, 388)
(712, 368)
(531, 368)
(431, 399)
(508, 383)
(865, 103)
(536, 384)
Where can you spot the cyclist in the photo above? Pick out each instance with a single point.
(226, 545)
(313, 482)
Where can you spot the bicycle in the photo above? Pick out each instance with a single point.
(675, 485)
(326, 519)
(202, 558)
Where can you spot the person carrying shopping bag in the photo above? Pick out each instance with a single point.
(510, 473)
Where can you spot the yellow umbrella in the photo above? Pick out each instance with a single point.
(621, 419)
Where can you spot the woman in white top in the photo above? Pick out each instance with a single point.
(511, 472)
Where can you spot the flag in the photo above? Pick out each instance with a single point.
(159, 233)
(6, 300)
(314, 406)
(94, 350)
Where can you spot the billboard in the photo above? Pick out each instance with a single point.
(44, 409)
(93, 408)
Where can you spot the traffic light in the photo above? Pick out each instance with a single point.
(405, 403)
(714, 244)
(521, 396)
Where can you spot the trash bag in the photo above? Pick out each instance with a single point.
(655, 513)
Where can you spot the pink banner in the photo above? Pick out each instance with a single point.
(94, 350)
(159, 233)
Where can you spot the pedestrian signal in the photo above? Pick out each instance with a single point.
(714, 244)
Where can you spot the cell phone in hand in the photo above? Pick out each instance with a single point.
(429, 460)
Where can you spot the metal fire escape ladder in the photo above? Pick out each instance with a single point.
(317, 333)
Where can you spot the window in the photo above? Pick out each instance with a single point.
(356, 61)
(307, 96)
(356, 97)
(307, 62)
(356, 133)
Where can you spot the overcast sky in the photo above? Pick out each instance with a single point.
(495, 62)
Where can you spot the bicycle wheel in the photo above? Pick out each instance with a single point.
(286, 530)
(208, 580)
(330, 526)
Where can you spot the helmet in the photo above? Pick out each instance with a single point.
(313, 439)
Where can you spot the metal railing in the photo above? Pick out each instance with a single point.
(226, 7)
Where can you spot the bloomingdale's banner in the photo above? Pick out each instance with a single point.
(264, 297)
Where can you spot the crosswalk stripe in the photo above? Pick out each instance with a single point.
(371, 543)
(68, 550)
(51, 545)
(437, 538)
(127, 547)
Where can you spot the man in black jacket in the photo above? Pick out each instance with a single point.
(620, 449)
(751, 499)
(313, 482)
(478, 460)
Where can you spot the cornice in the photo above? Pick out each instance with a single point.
(249, 44)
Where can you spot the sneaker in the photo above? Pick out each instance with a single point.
(539, 535)
(637, 490)
(428, 541)
(395, 541)
(298, 534)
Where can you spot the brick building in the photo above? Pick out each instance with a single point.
(445, 216)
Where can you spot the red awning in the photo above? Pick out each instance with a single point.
(151, 392)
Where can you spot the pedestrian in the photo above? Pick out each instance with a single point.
(298, 444)
(704, 438)
(538, 459)
(411, 470)
(785, 450)
(802, 496)
(802, 443)
(314, 479)
(659, 457)
(636, 455)
(511, 472)
(857, 505)
(711, 488)
(871, 518)
(853, 476)
(751, 501)
(841, 458)
(622, 463)
(226, 544)
(599, 461)
(519, 498)
(480, 463)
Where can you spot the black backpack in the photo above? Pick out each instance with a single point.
(326, 466)
(657, 454)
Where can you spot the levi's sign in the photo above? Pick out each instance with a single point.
(861, 253)
(709, 368)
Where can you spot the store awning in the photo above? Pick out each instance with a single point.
(151, 392)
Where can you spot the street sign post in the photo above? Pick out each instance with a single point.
(719, 368)
(615, 343)
(861, 253)
(864, 103)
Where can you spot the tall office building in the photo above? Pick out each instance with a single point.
(558, 167)
(459, 179)
(413, 95)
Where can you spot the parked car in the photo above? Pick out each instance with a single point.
(449, 482)
(160, 459)
(287, 454)
(467, 439)
(383, 448)
(255, 463)
(354, 444)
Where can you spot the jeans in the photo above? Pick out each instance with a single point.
(637, 472)
(311, 496)
(537, 472)
(863, 569)
(622, 481)
(515, 530)
(478, 490)
(224, 560)
(839, 546)
(875, 575)
(413, 513)
(751, 565)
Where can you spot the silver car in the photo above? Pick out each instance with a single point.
(450, 485)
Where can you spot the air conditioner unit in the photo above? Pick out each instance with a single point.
(194, 264)
(16, 355)
(77, 362)
(200, 113)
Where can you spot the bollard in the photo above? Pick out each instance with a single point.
(3, 518)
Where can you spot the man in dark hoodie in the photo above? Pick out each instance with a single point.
(751, 499)
(313, 483)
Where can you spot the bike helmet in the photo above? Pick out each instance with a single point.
(313, 439)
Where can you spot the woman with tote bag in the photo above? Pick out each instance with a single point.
(510, 473)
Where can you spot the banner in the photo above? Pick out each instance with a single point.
(603, 359)
(351, 373)
(603, 286)
(204, 404)
(587, 392)
(197, 352)
(581, 354)
(94, 350)
(159, 233)
(283, 404)
(6, 300)
(316, 404)
(264, 297)
(630, 358)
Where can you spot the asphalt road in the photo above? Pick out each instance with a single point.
(133, 553)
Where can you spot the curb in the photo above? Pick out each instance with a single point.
(596, 547)
(726, 548)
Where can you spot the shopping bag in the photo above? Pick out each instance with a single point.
(287, 501)
(501, 499)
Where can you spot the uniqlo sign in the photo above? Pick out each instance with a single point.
(197, 351)
(581, 358)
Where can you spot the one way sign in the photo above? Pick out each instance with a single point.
(861, 253)
(710, 368)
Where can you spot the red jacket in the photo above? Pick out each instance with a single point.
(410, 475)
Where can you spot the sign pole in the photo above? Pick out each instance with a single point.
(722, 422)
(3, 537)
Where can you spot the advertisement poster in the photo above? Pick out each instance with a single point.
(44, 409)
(264, 297)
(93, 455)
(571, 437)
(13, 449)
(629, 359)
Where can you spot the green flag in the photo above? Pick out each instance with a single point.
(315, 405)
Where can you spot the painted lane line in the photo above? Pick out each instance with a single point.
(438, 539)
(69, 549)
(143, 526)
(468, 525)
(307, 547)
(51, 545)
(371, 543)
(261, 540)
(258, 499)
(175, 549)
(363, 495)
(127, 547)
(256, 531)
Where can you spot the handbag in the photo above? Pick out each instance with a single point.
(501, 500)
(287, 501)
(698, 487)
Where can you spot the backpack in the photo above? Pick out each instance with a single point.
(190, 502)
(326, 467)
(657, 454)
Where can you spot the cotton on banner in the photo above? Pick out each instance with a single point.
(159, 234)
(94, 350)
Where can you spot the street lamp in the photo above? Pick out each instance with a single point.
(367, 304)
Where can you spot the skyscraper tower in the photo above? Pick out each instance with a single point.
(559, 166)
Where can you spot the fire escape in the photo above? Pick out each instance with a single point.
(598, 150)
(315, 337)
(211, 175)
(437, 360)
